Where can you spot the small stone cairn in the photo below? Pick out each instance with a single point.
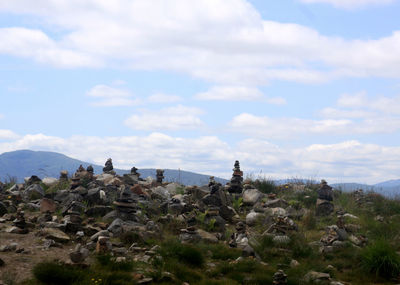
(236, 180)
(324, 202)
(63, 176)
(20, 223)
(133, 177)
(279, 278)
(160, 175)
(108, 167)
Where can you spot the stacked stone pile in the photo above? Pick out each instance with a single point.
(324, 205)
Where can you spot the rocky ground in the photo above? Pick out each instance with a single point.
(110, 229)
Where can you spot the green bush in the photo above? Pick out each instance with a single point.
(57, 274)
(381, 259)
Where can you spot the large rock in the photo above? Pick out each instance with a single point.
(47, 205)
(317, 277)
(251, 196)
(55, 234)
(104, 179)
(172, 188)
(207, 237)
(227, 213)
(161, 193)
(33, 192)
(94, 196)
(116, 227)
(50, 181)
(79, 254)
(252, 218)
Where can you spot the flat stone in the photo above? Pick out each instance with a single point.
(55, 234)
(206, 236)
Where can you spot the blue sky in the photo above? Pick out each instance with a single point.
(291, 88)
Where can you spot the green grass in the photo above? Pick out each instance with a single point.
(184, 253)
(265, 185)
(381, 259)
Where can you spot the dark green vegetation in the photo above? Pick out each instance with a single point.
(104, 271)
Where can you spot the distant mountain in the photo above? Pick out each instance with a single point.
(24, 163)
(389, 183)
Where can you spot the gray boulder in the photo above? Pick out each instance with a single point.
(251, 196)
(33, 192)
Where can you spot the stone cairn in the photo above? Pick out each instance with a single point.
(108, 167)
(20, 223)
(63, 176)
(236, 180)
(125, 204)
(80, 175)
(133, 177)
(90, 169)
(324, 202)
(160, 175)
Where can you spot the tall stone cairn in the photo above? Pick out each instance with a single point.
(324, 205)
(236, 180)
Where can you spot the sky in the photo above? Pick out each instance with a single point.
(290, 88)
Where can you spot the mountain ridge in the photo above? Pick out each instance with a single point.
(24, 163)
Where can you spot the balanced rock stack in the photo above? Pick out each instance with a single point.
(63, 176)
(108, 167)
(324, 201)
(80, 175)
(160, 175)
(126, 205)
(236, 180)
(19, 223)
(133, 177)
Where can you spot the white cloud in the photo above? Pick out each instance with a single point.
(111, 96)
(221, 41)
(7, 134)
(172, 118)
(231, 93)
(1, 116)
(237, 93)
(266, 127)
(37, 45)
(384, 104)
(164, 98)
(350, 4)
(338, 113)
(348, 161)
